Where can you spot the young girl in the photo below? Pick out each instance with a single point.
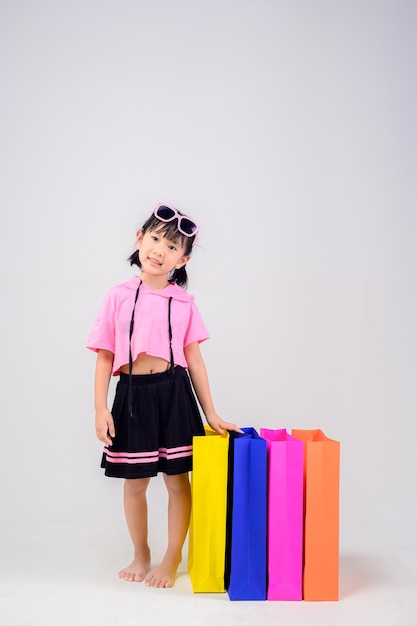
(148, 332)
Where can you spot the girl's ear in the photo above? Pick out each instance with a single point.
(139, 238)
(183, 261)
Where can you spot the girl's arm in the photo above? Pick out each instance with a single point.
(199, 378)
(104, 419)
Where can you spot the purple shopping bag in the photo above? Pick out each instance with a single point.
(285, 460)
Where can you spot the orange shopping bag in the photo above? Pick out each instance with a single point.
(321, 522)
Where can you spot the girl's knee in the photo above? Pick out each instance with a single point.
(136, 485)
(177, 482)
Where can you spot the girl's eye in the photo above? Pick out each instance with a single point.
(173, 248)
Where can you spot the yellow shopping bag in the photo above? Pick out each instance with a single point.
(207, 537)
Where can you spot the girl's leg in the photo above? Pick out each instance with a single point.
(136, 512)
(179, 509)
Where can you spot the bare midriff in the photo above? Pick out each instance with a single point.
(146, 364)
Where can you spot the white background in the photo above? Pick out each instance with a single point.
(287, 130)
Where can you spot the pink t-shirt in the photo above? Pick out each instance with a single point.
(111, 326)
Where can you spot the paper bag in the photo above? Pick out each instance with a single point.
(285, 456)
(321, 524)
(246, 575)
(207, 535)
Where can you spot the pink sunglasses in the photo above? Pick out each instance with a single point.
(186, 226)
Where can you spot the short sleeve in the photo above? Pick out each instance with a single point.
(102, 334)
(196, 330)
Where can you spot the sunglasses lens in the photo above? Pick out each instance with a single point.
(187, 226)
(165, 213)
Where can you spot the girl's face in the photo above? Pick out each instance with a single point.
(159, 255)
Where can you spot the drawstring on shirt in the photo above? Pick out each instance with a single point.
(132, 323)
(171, 368)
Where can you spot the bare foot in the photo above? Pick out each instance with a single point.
(163, 576)
(137, 570)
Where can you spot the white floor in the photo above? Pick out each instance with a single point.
(68, 577)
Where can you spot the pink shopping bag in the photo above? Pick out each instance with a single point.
(285, 460)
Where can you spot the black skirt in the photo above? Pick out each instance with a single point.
(158, 436)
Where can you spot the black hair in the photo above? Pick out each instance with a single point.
(170, 231)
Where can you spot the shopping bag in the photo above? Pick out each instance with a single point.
(321, 522)
(285, 459)
(246, 547)
(207, 534)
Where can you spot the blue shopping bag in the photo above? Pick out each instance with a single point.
(246, 554)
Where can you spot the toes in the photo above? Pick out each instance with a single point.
(153, 581)
(138, 578)
(158, 583)
(130, 577)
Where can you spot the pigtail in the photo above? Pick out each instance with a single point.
(134, 259)
(180, 277)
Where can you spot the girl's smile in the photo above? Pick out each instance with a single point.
(154, 261)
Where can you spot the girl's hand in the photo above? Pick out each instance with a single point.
(220, 426)
(105, 426)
